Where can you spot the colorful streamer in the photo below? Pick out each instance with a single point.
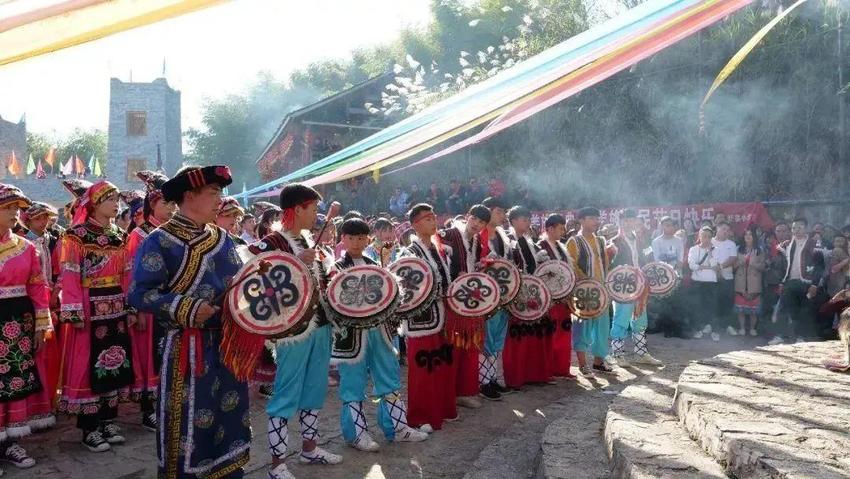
(75, 22)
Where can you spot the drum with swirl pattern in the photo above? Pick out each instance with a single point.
(625, 284)
(506, 274)
(363, 296)
(533, 300)
(418, 288)
(274, 295)
(473, 295)
(589, 299)
(558, 276)
(661, 278)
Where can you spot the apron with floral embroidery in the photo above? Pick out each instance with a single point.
(18, 374)
(110, 342)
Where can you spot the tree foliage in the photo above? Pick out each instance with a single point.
(80, 142)
(773, 131)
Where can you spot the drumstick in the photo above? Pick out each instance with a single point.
(384, 246)
(333, 210)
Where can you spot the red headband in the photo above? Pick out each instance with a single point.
(288, 218)
(420, 216)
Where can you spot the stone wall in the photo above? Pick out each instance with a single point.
(13, 137)
(161, 106)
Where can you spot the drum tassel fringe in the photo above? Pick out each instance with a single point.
(240, 349)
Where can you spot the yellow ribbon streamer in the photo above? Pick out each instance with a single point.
(745, 50)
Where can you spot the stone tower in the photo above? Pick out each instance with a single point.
(144, 130)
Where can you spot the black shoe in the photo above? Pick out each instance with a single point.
(94, 441)
(149, 421)
(266, 390)
(489, 393)
(602, 368)
(501, 389)
(112, 433)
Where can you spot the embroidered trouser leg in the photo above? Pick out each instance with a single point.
(278, 436)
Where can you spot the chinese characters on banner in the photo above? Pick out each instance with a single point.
(738, 215)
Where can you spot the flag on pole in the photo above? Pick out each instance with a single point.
(39, 171)
(68, 169)
(80, 167)
(30, 165)
(14, 167)
(91, 163)
(50, 158)
(96, 171)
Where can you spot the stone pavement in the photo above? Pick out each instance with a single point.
(500, 440)
(772, 412)
(627, 412)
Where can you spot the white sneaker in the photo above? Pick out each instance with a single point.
(753, 332)
(776, 340)
(648, 359)
(742, 332)
(365, 443)
(731, 331)
(622, 362)
(698, 335)
(18, 456)
(468, 402)
(715, 337)
(281, 472)
(585, 371)
(410, 435)
(319, 456)
(707, 329)
(426, 428)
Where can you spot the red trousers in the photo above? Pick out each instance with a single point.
(562, 340)
(528, 352)
(467, 372)
(431, 380)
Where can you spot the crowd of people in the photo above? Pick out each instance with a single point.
(125, 305)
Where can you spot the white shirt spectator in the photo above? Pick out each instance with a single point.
(708, 258)
(668, 250)
(723, 251)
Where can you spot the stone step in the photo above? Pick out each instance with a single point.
(770, 412)
(644, 438)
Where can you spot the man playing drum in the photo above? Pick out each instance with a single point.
(590, 259)
(303, 384)
(562, 348)
(630, 317)
(466, 252)
(430, 356)
(498, 244)
(374, 356)
(527, 349)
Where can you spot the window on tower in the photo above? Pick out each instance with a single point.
(137, 123)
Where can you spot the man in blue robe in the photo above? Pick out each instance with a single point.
(181, 271)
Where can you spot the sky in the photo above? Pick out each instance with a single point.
(210, 53)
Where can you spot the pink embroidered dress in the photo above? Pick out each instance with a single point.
(94, 264)
(24, 309)
(145, 369)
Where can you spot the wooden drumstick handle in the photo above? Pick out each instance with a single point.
(333, 211)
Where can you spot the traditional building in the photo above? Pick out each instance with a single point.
(144, 130)
(317, 130)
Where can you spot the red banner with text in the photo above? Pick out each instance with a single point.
(738, 215)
